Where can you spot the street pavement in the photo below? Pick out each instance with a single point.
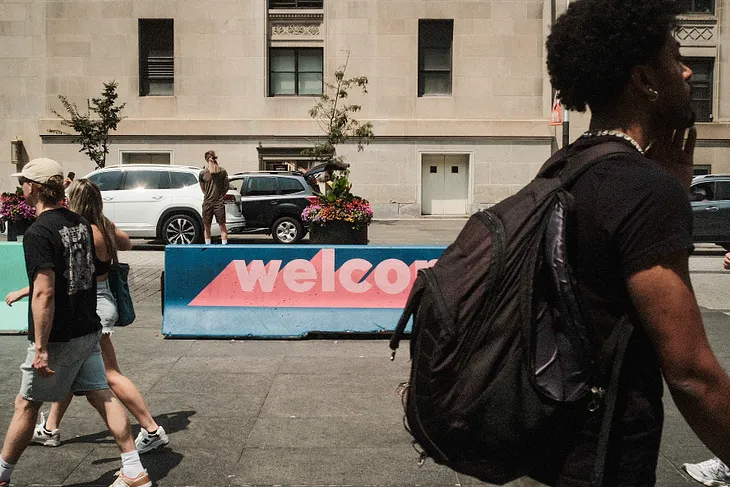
(298, 412)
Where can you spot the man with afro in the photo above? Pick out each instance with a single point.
(632, 235)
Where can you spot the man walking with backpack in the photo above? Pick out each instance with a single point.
(540, 337)
(631, 233)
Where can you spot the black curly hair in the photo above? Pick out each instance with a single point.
(593, 47)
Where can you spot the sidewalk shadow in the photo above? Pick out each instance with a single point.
(158, 463)
(172, 422)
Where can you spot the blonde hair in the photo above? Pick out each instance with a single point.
(84, 198)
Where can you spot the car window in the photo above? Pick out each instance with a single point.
(703, 192)
(107, 180)
(145, 180)
(261, 186)
(722, 190)
(182, 179)
(290, 185)
(236, 184)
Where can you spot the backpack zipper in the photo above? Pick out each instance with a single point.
(494, 227)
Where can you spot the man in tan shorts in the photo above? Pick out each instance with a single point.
(214, 183)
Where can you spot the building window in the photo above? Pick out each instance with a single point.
(156, 57)
(435, 38)
(701, 169)
(698, 6)
(295, 3)
(295, 71)
(145, 157)
(702, 69)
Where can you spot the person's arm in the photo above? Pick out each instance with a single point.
(14, 296)
(42, 305)
(668, 309)
(122, 239)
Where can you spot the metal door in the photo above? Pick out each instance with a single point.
(445, 184)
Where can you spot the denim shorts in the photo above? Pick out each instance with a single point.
(78, 365)
(106, 307)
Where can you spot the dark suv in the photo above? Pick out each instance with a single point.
(272, 202)
(710, 196)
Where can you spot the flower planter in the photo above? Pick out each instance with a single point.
(338, 233)
(17, 229)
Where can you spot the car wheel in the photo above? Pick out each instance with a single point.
(181, 229)
(287, 230)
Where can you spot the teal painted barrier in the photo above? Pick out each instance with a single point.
(282, 291)
(13, 319)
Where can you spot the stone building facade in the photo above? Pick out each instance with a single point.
(458, 93)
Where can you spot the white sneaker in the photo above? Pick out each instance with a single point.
(713, 472)
(43, 437)
(149, 441)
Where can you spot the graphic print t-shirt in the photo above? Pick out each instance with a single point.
(63, 241)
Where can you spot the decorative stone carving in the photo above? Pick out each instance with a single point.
(703, 33)
(295, 30)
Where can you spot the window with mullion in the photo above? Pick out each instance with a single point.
(699, 6)
(435, 39)
(702, 71)
(295, 71)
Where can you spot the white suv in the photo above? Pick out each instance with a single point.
(160, 201)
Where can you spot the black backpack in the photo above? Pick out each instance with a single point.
(500, 354)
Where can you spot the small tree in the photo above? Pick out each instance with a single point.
(335, 117)
(92, 129)
(338, 125)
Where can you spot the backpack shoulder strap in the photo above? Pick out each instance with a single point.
(569, 167)
(611, 356)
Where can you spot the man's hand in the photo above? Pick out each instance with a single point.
(726, 262)
(675, 154)
(40, 363)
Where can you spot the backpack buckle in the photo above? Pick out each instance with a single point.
(595, 403)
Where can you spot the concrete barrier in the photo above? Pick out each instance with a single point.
(278, 291)
(12, 276)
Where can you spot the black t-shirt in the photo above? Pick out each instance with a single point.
(629, 215)
(63, 241)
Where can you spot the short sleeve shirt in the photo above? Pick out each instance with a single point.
(63, 241)
(215, 185)
(630, 214)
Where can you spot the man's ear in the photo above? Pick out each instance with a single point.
(644, 82)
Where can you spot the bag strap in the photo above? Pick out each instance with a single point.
(569, 166)
(614, 347)
(414, 300)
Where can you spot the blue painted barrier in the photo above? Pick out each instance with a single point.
(12, 276)
(278, 291)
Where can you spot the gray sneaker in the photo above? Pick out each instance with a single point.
(44, 437)
(712, 472)
(149, 441)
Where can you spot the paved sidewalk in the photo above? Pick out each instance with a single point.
(300, 412)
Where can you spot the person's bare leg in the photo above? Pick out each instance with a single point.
(224, 232)
(58, 409)
(115, 417)
(124, 388)
(20, 430)
(206, 231)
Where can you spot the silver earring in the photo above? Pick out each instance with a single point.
(653, 95)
